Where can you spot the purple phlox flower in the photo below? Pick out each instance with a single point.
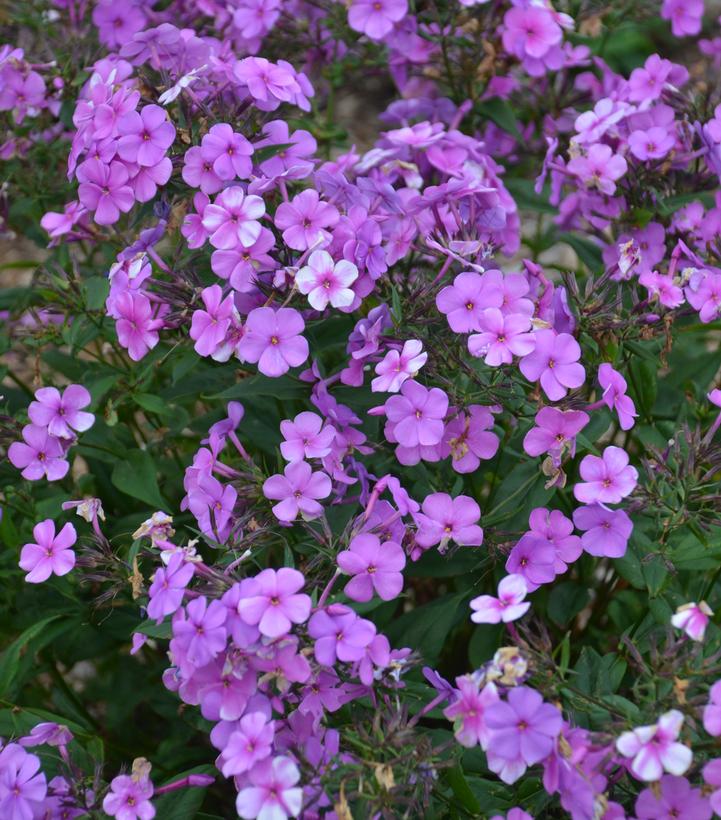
(686, 16)
(325, 281)
(273, 792)
(663, 288)
(145, 136)
(555, 431)
(198, 172)
(555, 362)
(653, 143)
(376, 19)
(104, 189)
(469, 709)
(23, 787)
(712, 776)
(502, 337)
(712, 712)
(209, 327)
(654, 749)
(273, 339)
(212, 504)
(129, 798)
(232, 220)
(468, 440)
(136, 327)
(268, 83)
(416, 415)
(50, 553)
(530, 31)
(517, 813)
(159, 528)
(605, 532)
(306, 437)
(52, 734)
(507, 607)
(60, 412)
(240, 266)
(704, 294)
(375, 567)
(445, 519)
(557, 530)
(523, 726)
(614, 395)
(304, 220)
(271, 600)
(168, 587)
(398, 366)
(534, 558)
(599, 168)
(297, 491)
(693, 618)
(339, 634)
(647, 84)
(199, 632)
(294, 161)
(227, 152)
(251, 742)
(40, 454)
(606, 480)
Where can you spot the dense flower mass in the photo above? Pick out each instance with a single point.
(348, 404)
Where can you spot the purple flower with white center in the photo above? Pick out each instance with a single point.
(23, 787)
(445, 519)
(129, 798)
(145, 136)
(398, 366)
(655, 749)
(251, 742)
(297, 491)
(375, 567)
(654, 143)
(534, 558)
(232, 219)
(614, 395)
(523, 726)
(272, 602)
(61, 412)
(606, 480)
(168, 587)
(49, 554)
(600, 168)
(605, 532)
(273, 339)
(199, 632)
(339, 634)
(673, 797)
(468, 711)
(417, 414)
(227, 151)
(325, 281)
(463, 302)
(555, 431)
(557, 530)
(554, 362)
(304, 220)
(306, 437)
(209, 327)
(376, 19)
(693, 618)
(40, 454)
(507, 607)
(501, 337)
(468, 440)
(273, 793)
(104, 189)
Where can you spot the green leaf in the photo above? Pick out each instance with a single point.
(96, 292)
(136, 476)
(10, 659)
(463, 792)
(153, 404)
(565, 601)
(588, 252)
(283, 388)
(500, 112)
(162, 631)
